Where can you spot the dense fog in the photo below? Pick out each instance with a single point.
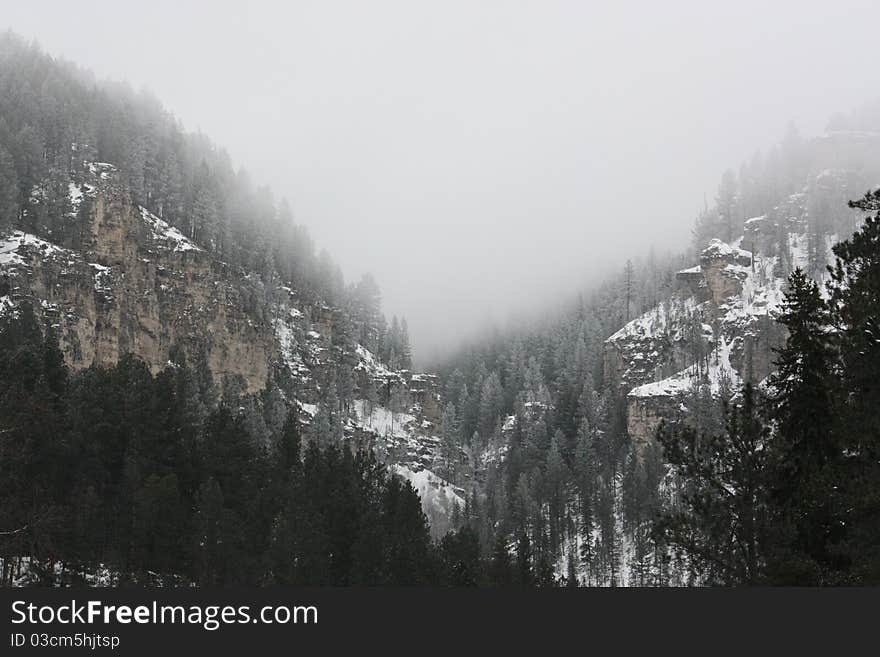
(481, 159)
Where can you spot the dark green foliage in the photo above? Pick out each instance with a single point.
(8, 190)
(855, 313)
(806, 450)
(460, 561)
(34, 469)
(790, 493)
(147, 473)
(827, 442)
(524, 574)
(500, 567)
(721, 521)
(118, 467)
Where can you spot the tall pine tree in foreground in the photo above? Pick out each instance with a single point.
(855, 315)
(806, 451)
(720, 521)
(790, 493)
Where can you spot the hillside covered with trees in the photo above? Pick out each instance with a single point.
(560, 400)
(189, 394)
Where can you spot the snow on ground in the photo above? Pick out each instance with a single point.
(9, 251)
(164, 232)
(27, 572)
(799, 249)
(413, 451)
(438, 496)
(717, 249)
(10, 245)
(370, 363)
(762, 295)
(676, 384)
(657, 321)
(762, 292)
(76, 193)
(288, 344)
(310, 409)
(101, 169)
(722, 376)
(381, 420)
(509, 423)
(102, 277)
(494, 453)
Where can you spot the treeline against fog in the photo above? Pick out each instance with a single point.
(117, 471)
(532, 414)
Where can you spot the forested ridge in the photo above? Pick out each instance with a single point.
(594, 507)
(789, 491)
(169, 477)
(57, 120)
(117, 471)
(118, 474)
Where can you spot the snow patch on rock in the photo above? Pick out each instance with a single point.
(167, 234)
(439, 497)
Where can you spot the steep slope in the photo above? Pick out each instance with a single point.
(718, 330)
(120, 280)
(137, 285)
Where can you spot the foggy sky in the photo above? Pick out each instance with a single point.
(480, 158)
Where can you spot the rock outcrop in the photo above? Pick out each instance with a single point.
(724, 268)
(718, 329)
(119, 280)
(137, 285)
(716, 332)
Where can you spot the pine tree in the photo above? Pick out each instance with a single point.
(8, 190)
(368, 301)
(500, 567)
(449, 441)
(371, 399)
(571, 579)
(525, 577)
(460, 558)
(399, 402)
(855, 309)
(721, 522)
(490, 404)
(556, 478)
(628, 274)
(727, 203)
(585, 473)
(405, 350)
(211, 527)
(289, 456)
(806, 454)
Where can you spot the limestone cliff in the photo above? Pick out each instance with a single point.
(718, 329)
(116, 279)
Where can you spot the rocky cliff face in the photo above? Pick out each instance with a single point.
(116, 279)
(715, 333)
(718, 330)
(123, 281)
